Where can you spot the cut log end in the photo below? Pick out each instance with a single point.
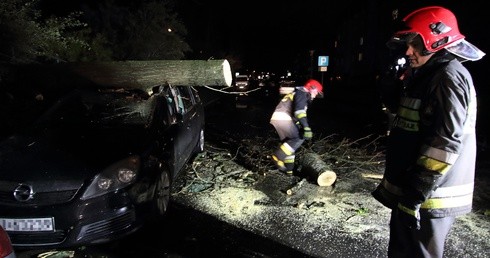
(313, 167)
(326, 178)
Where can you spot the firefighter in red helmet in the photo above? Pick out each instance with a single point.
(291, 123)
(431, 153)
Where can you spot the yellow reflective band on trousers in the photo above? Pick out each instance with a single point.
(407, 210)
(434, 165)
(287, 149)
(450, 202)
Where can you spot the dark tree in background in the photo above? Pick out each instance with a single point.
(139, 30)
(70, 31)
(26, 36)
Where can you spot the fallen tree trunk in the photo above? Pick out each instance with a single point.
(128, 74)
(312, 166)
(147, 74)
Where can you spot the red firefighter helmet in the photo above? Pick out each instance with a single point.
(313, 84)
(438, 28)
(436, 25)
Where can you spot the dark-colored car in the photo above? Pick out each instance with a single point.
(242, 83)
(97, 165)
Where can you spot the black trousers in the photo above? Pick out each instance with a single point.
(426, 242)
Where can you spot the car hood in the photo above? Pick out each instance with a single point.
(75, 155)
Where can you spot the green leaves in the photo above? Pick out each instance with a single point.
(147, 30)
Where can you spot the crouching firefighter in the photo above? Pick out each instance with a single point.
(291, 123)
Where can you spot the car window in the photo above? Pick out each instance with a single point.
(118, 108)
(171, 99)
(185, 97)
(180, 99)
(102, 108)
(175, 100)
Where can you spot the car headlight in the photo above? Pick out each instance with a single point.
(114, 177)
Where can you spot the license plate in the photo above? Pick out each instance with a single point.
(31, 225)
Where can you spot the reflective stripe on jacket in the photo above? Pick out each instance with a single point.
(433, 132)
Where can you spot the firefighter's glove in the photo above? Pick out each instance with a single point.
(409, 215)
(307, 133)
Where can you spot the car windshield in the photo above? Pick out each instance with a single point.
(100, 109)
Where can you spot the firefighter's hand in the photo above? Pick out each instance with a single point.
(307, 133)
(409, 215)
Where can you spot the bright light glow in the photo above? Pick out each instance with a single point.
(401, 61)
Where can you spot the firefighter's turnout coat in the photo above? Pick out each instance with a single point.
(431, 155)
(289, 118)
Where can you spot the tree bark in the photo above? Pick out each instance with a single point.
(312, 166)
(147, 74)
(128, 74)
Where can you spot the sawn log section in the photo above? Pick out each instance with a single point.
(314, 168)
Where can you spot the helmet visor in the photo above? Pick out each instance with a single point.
(465, 50)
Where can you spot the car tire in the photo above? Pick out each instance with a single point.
(161, 198)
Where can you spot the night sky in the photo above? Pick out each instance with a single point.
(267, 32)
(267, 35)
(262, 32)
(273, 34)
